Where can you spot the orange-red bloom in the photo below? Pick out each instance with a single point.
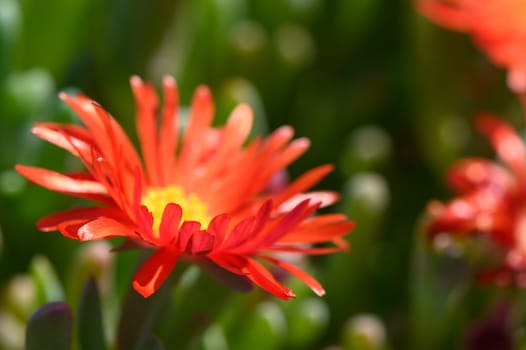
(491, 202)
(498, 27)
(199, 195)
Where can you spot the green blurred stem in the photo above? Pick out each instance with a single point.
(139, 313)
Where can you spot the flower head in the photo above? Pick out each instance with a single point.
(498, 27)
(491, 203)
(199, 195)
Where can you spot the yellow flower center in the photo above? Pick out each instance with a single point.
(156, 199)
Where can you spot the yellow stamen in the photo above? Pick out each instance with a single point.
(156, 199)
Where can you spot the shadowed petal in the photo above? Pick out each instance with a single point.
(154, 271)
(474, 173)
(505, 140)
(50, 222)
(300, 274)
(260, 276)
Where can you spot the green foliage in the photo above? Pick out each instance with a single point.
(90, 326)
(50, 328)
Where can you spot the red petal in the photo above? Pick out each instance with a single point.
(50, 222)
(260, 276)
(300, 274)
(101, 125)
(170, 223)
(324, 198)
(63, 183)
(188, 228)
(218, 227)
(445, 15)
(64, 136)
(169, 131)
(505, 140)
(200, 119)
(200, 243)
(283, 226)
(475, 173)
(304, 182)
(154, 271)
(146, 100)
(103, 228)
(201, 114)
(246, 230)
(319, 230)
(230, 262)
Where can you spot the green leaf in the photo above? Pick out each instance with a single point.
(90, 329)
(49, 328)
(139, 313)
(46, 281)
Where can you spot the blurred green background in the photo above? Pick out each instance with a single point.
(383, 94)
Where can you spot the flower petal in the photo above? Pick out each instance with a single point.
(445, 14)
(170, 221)
(169, 132)
(507, 143)
(319, 229)
(476, 173)
(103, 228)
(263, 278)
(323, 198)
(304, 182)
(51, 222)
(63, 183)
(154, 271)
(146, 101)
(200, 243)
(64, 136)
(300, 274)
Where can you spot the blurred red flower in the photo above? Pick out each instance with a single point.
(498, 27)
(491, 203)
(199, 195)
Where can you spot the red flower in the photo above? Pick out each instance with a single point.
(200, 195)
(498, 27)
(491, 202)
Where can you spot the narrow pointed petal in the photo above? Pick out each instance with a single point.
(146, 100)
(103, 228)
(323, 198)
(201, 114)
(64, 136)
(50, 222)
(169, 132)
(281, 227)
(238, 126)
(318, 230)
(247, 229)
(63, 183)
(508, 144)
(154, 271)
(310, 281)
(196, 135)
(263, 278)
(304, 182)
